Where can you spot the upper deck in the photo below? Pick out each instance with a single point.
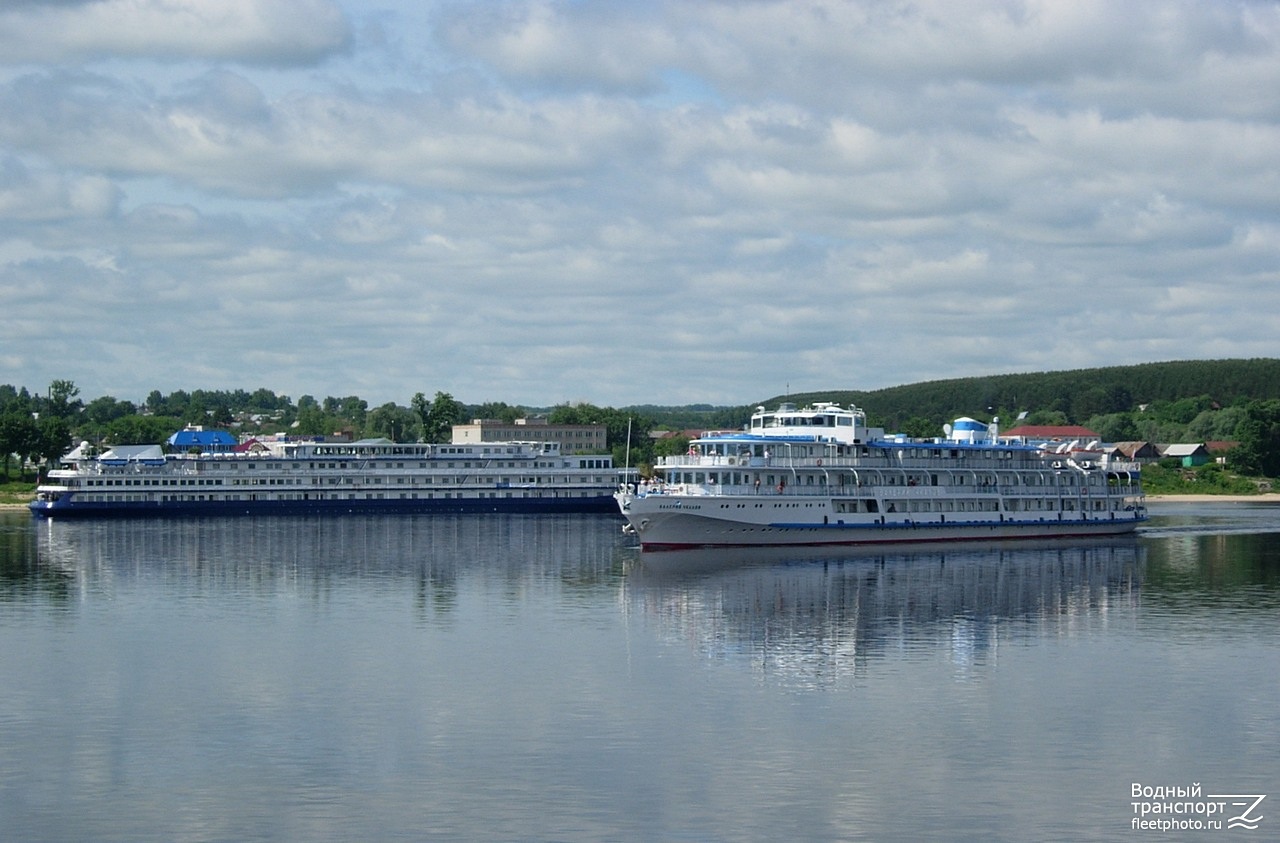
(827, 436)
(823, 421)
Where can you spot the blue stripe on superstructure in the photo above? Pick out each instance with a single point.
(871, 443)
(603, 504)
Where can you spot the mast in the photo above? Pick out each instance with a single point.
(626, 473)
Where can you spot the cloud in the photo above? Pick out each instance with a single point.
(41, 196)
(221, 134)
(252, 31)
(672, 202)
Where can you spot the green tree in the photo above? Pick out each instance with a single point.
(265, 401)
(1179, 411)
(220, 414)
(177, 402)
(921, 427)
(1114, 427)
(421, 407)
(62, 399)
(141, 430)
(53, 439)
(670, 446)
(196, 411)
(13, 400)
(351, 409)
(312, 420)
(1259, 436)
(1046, 417)
(1213, 425)
(105, 409)
(498, 410)
(445, 411)
(19, 436)
(399, 424)
(619, 426)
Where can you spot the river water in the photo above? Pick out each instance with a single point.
(537, 678)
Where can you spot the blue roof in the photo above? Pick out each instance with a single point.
(205, 439)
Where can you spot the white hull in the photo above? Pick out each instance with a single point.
(320, 478)
(818, 476)
(668, 522)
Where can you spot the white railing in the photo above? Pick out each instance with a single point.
(891, 491)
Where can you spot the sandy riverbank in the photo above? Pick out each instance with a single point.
(1269, 497)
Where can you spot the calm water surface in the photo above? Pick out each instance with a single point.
(537, 678)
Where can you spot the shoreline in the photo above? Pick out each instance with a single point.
(1265, 497)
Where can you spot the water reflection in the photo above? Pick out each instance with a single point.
(1233, 578)
(489, 677)
(321, 559)
(818, 617)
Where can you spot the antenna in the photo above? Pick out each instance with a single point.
(626, 473)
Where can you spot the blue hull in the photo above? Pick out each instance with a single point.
(604, 504)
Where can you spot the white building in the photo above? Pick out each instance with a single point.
(573, 438)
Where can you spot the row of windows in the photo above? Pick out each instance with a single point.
(285, 465)
(318, 496)
(954, 481)
(975, 505)
(595, 479)
(801, 421)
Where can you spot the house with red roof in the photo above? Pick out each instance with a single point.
(1032, 433)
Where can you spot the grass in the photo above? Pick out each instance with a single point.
(11, 497)
(1212, 479)
(16, 491)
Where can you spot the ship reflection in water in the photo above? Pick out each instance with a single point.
(824, 617)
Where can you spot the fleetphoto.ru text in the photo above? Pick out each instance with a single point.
(1188, 808)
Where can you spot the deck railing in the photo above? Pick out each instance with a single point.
(892, 491)
(975, 462)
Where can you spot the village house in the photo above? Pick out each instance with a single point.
(1134, 451)
(1035, 433)
(1190, 455)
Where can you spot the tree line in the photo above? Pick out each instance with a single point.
(40, 427)
(1180, 401)
(1187, 401)
(1075, 396)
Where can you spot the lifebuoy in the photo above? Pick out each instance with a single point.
(819, 461)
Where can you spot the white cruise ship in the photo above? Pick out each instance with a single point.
(309, 477)
(818, 475)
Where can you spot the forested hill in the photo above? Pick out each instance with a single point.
(1077, 395)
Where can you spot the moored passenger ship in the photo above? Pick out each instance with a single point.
(819, 476)
(309, 477)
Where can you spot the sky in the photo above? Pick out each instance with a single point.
(622, 203)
